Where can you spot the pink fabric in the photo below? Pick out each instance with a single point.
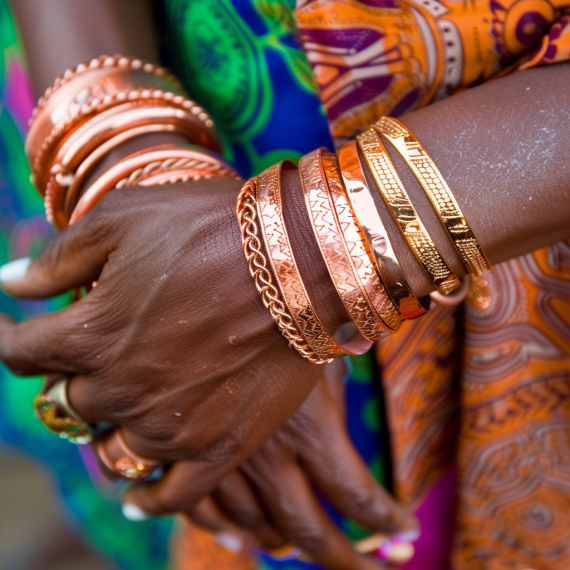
(436, 515)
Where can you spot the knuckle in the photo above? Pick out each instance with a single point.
(310, 537)
(357, 499)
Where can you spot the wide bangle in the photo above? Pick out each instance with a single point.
(438, 192)
(402, 210)
(325, 198)
(377, 237)
(287, 276)
(134, 169)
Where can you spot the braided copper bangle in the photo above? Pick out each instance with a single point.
(398, 202)
(438, 192)
(136, 167)
(376, 235)
(271, 297)
(338, 257)
(287, 275)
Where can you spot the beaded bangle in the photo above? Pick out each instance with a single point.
(400, 206)
(438, 192)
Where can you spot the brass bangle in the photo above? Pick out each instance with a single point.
(287, 276)
(400, 206)
(271, 297)
(317, 190)
(438, 192)
(376, 235)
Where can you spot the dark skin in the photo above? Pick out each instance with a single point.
(174, 298)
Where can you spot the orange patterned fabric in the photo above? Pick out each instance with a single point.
(485, 388)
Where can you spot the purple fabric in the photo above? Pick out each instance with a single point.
(436, 516)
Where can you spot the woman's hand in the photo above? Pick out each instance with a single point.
(172, 343)
(272, 495)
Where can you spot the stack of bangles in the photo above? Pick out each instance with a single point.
(89, 112)
(353, 241)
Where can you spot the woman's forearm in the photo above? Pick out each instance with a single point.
(504, 150)
(59, 34)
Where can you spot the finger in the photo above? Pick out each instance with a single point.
(346, 481)
(236, 499)
(179, 490)
(296, 513)
(72, 259)
(50, 343)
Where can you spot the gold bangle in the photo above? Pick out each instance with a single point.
(398, 202)
(287, 275)
(317, 173)
(377, 237)
(438, 192)
(271, 297)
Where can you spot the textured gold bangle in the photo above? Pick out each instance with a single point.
(287, 276)
(398, 202)
(246, 211)
(438, 192)
(376, 235)
(318, 192)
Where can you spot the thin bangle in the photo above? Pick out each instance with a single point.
(377, 237)
(438, 192)
(400, 206)
(331, 241)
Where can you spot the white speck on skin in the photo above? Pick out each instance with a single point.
(530, 197)
(177, 414)
(85, 325)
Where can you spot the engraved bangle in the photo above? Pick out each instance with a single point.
(287, 275)
(371, 300)
(400, 206)
(438, 192)
(376, 235)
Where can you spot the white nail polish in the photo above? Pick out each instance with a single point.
(15, 270)
(407, 536)
(230, 542)
(134, 513)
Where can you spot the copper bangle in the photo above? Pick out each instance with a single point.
(318, 172)
(402, 210)
(119, 459)
(287, 276)
(376, 235)
(100, 78)
(246, 211)
(117, 105)
(177, 156)
(438, 192)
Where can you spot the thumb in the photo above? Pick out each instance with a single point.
(73, 258)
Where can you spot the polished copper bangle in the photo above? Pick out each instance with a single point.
(438, 192)
(116, 455)
(402, 210)
(135, 167)
(246, 210)
(287, 276)
(376, 235)
(318, 190)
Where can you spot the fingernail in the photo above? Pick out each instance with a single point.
(285, 553)
(230, 542)
(396, 552)
(406, 536)
(134, 513)
(15, 270)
